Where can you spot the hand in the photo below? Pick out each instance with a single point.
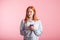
(31, 28)
(24, 30)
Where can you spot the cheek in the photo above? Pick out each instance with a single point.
(32, 13)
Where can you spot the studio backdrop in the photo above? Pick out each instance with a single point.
(13, 11)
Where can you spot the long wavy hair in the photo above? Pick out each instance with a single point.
(34, 15)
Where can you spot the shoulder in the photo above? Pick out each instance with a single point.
(22, 21)
(38, 20)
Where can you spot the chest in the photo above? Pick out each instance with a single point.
(35, 24)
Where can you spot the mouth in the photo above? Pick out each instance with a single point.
(29, 16)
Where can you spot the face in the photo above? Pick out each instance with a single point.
(30, 13)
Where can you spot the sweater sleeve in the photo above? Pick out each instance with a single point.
(22, 28)
(38, 31)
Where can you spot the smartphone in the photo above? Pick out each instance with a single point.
(31, 25)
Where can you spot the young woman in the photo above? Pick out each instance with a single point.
(31, 27)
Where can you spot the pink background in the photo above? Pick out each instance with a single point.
(13, 11)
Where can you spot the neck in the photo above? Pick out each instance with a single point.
(30, 18)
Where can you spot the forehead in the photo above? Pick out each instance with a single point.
(30, 9)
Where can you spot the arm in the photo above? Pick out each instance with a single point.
(38, 31)
(22, 28)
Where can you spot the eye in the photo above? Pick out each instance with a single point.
(30, 11)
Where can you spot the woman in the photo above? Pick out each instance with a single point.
(30, 27)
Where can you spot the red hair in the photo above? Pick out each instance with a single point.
(34, 16)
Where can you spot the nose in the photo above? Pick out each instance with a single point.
(30, 12)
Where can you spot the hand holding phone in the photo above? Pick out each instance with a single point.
(31, 27)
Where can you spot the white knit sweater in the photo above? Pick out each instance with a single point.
(28, 34)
